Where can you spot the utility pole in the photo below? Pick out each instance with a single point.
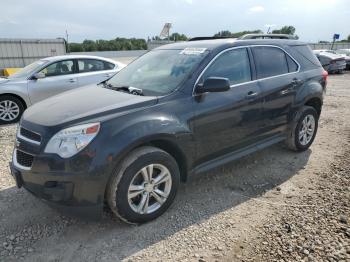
(67, 48)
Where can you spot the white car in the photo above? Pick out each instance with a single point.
(50, 76)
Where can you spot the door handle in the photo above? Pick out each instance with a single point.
(108, 75)
(72, 80)
(251, 95)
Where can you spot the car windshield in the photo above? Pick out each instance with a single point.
(159, 72)
(24, 72)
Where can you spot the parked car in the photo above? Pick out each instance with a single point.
(346, 54)
(180, 109)
(342, 52)
(317, 51)
(331, 62)
(50, 76)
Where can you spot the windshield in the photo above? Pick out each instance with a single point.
(159, 72)
(24, 72)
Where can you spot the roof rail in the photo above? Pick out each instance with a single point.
(208, 38)
(268, 36)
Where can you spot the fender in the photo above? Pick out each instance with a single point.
(131, 131)
(311, 89)
(9, 88)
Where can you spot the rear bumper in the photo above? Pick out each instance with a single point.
(70, 194)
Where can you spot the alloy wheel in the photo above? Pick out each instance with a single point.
(9, 110)
(307, 129)
(149, 189)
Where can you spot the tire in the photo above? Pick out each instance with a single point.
(129, 172)
(11, 109)
(294, 142)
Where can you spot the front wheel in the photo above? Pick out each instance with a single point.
(144, 185)
(303, 131)
(11, 109)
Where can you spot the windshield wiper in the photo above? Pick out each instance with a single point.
(129, 89)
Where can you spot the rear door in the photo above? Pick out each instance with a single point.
(277, 74)
(94, 71)
(229, 120)
(59, 77)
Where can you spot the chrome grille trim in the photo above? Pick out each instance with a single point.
(25, 138)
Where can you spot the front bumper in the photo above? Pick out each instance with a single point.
(71, 193)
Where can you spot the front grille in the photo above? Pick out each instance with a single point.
(24, 159)
(30, 135)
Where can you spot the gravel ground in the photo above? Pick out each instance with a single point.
(274, 205)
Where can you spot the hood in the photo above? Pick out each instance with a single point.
(83, 104)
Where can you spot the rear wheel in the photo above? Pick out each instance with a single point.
(303, 132)
(11, 109)
(144, 186)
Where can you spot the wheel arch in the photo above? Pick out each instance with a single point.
(16, 96)
(316, 103)
(167, 144)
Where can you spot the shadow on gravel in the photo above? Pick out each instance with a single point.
(200, 198)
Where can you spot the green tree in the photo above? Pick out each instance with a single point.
(109, 45)
(75, 47)
(89, 45)
(288, 30)
(178, 37)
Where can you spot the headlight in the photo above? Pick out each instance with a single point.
(70, 141)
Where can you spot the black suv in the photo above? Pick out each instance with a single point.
(180, 109)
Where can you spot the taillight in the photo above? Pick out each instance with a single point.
(325, 75)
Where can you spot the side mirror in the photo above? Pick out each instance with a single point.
(213, 84)
(39, 75)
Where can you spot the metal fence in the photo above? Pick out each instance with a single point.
(21, 52)
(336, 46)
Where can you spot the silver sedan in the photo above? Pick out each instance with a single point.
(48, 77)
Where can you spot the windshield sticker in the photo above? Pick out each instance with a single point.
(193, 51)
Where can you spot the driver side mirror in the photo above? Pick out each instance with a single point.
(213, 84)
(39, 75)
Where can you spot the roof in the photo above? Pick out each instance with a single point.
(229, 42)
(62, 57)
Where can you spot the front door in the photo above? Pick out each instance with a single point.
(227, 121)
(59, 77)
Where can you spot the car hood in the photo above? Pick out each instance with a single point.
(83, 104)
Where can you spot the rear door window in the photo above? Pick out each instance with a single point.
(109, 66)
(92, 65)
(233, 64)
(269, 61)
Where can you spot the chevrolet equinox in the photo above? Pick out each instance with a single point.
(180, 109)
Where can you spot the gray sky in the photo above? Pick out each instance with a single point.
(106, 19)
